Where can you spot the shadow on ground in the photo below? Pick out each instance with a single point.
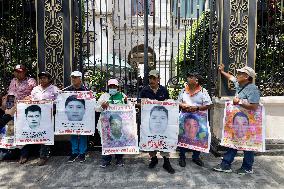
(135, 174)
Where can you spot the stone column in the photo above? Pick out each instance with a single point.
(55, 38)
(238, 38)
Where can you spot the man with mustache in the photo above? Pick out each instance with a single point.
(155, 91)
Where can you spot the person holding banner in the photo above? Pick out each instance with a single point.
(113, 96)
(20, 88)
(155, 91)
(192, 98)
(44, 91)
(248, 97)
(21, 85)
(75, 109)
(6, 115)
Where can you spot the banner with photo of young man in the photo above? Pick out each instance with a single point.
(194, 131)
(75, 113)
(118, 129)
(34, 123)
(7, 136)
(243, 129)
(159, 125)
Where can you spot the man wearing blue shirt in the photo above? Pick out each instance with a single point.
(155, 91)
(247, 96)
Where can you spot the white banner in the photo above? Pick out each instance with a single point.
(119, 130)
(75, 113)
(34, 123)
(159, 125)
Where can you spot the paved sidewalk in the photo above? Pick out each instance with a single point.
(269, 173)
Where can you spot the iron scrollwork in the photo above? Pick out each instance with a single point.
(54, 40)
(238, 36)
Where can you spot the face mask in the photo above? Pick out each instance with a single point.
(112, 91)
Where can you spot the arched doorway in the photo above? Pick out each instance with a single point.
(136, 60)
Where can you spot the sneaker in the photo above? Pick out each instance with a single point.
(82, 158)
(120, 163)
(105, 164)
(42, 161)
(72, 158)
(23, 160)
(242, 171)
(220, 168)
(198, 162)
(182, 162)
(154, 162)
(167, 166)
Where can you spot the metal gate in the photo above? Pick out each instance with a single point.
(115, 38)
(125, 40)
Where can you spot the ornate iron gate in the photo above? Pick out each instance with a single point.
(109, 38)
(125, 40)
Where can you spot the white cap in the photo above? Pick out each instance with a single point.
(76, 74)
(247, 70)
(112, 82)
(154, 73)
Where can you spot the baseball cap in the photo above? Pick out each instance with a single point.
(112, 82)
(154, 73)
(20, 68)
(44, 74)
(76, 74)
(247, 70)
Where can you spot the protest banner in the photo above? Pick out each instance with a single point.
(34, 123)
(7, 136)
(194, 131)
(118, 130)
(243, 129)
(159, 125)
(75, 113)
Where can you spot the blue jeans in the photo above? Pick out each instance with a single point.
(107, 158)
(79, 144)
(182, 152)
(247, 161)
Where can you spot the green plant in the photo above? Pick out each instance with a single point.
(174, 92)
(17, 40)
(194, 52)
(96, 80)
(270, 49)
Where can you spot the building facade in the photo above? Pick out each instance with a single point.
(117, 28)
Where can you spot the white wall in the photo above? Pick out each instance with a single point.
(274, 116)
